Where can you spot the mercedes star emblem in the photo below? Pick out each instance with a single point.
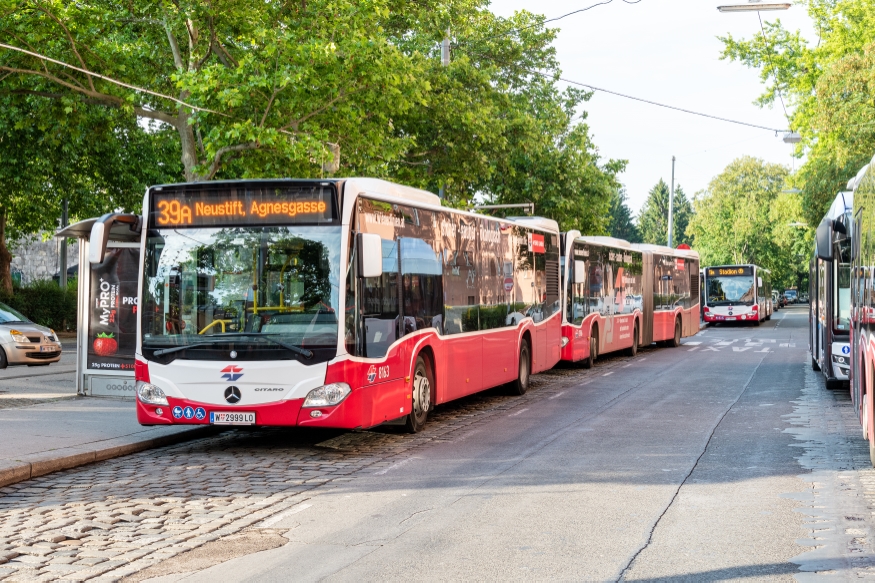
(232, 395)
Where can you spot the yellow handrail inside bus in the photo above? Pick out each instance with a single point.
(213, 324)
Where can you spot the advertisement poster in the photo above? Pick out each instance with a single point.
(112, 326)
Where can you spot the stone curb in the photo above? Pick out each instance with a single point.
(31, 466)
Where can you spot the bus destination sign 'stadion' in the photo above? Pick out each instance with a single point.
(736, 270)
(207, 208)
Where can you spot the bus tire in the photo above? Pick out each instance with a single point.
(676, 340)
(593, 348)
(421, 397)
(834, 384)
(524, 371)
(814, 365)
(634, 349)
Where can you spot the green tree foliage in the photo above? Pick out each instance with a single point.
(328, 86)
(622, 224)
(829, 82)
(742, 217)
(96, 158)
(653, 220)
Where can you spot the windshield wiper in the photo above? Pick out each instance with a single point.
(308, 354)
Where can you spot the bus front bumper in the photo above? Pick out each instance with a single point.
(291, 413)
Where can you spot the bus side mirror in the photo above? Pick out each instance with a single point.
(370, 254)
(579, 272)
(823, 239)
(97, 243)
(100, 233)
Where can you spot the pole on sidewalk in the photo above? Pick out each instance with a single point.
(671, 205)
(62, 282)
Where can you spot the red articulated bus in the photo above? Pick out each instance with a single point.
(620, 296)
(334, 303)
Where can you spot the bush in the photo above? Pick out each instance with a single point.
(45, 303)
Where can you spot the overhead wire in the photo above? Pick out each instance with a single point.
(617, 93)
(772, 64)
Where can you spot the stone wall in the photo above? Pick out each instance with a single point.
(36, 259)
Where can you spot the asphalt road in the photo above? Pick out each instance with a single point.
(722, 459)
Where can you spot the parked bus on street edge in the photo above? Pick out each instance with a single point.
(862, 327)
(620, 296)
(829, 311)
(333, 303)
(737, 293)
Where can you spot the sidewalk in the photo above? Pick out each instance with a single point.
(45, 427)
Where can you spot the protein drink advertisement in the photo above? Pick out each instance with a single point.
(112, 330)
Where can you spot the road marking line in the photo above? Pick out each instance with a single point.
(739, 348)
(766, 350)
(608, 373)
(711, 348)
(692, 343)
(693, 348)
(521, 411)
(557, 395)
(395, 466)
(626, 365)
(268, 522)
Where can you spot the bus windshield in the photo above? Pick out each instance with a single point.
(731, 290)
(247, 289)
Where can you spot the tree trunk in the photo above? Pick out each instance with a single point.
(188, 145)
(5, 258)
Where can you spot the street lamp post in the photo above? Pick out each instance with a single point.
(671, 205)
(754, 6)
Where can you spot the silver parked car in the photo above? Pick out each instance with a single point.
(23, 342)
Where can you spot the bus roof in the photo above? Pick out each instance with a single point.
(690, 253)
(612, 241)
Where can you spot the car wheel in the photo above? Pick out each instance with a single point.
(3, 362)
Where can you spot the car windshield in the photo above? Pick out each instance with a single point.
(247, 289)
(10, 316)
(726, 290)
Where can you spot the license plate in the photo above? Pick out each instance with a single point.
(232, 418)
(730, 318)
(48, 348)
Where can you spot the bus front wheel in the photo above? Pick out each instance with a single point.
(421, 397)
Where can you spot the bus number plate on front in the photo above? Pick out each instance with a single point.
(232, 418)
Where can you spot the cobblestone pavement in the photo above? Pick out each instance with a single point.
(115, 518)
(840, 501)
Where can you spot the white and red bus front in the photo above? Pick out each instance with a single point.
(240, 305)
(731, 294)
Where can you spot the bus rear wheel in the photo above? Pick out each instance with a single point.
(593, 348)
(421, 397)
(634, 348)
(521, 384)
(676, 340)
(814, 365)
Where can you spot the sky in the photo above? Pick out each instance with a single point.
(667, 51)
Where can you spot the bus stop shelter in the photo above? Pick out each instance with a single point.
(106, 326)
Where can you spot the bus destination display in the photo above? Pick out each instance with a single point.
(246, 206)
(721, 271)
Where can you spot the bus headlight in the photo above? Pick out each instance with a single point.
(150, 394)
(327, 395)
(565, 341)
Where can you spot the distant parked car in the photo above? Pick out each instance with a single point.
(791, 295)
(23, 342)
